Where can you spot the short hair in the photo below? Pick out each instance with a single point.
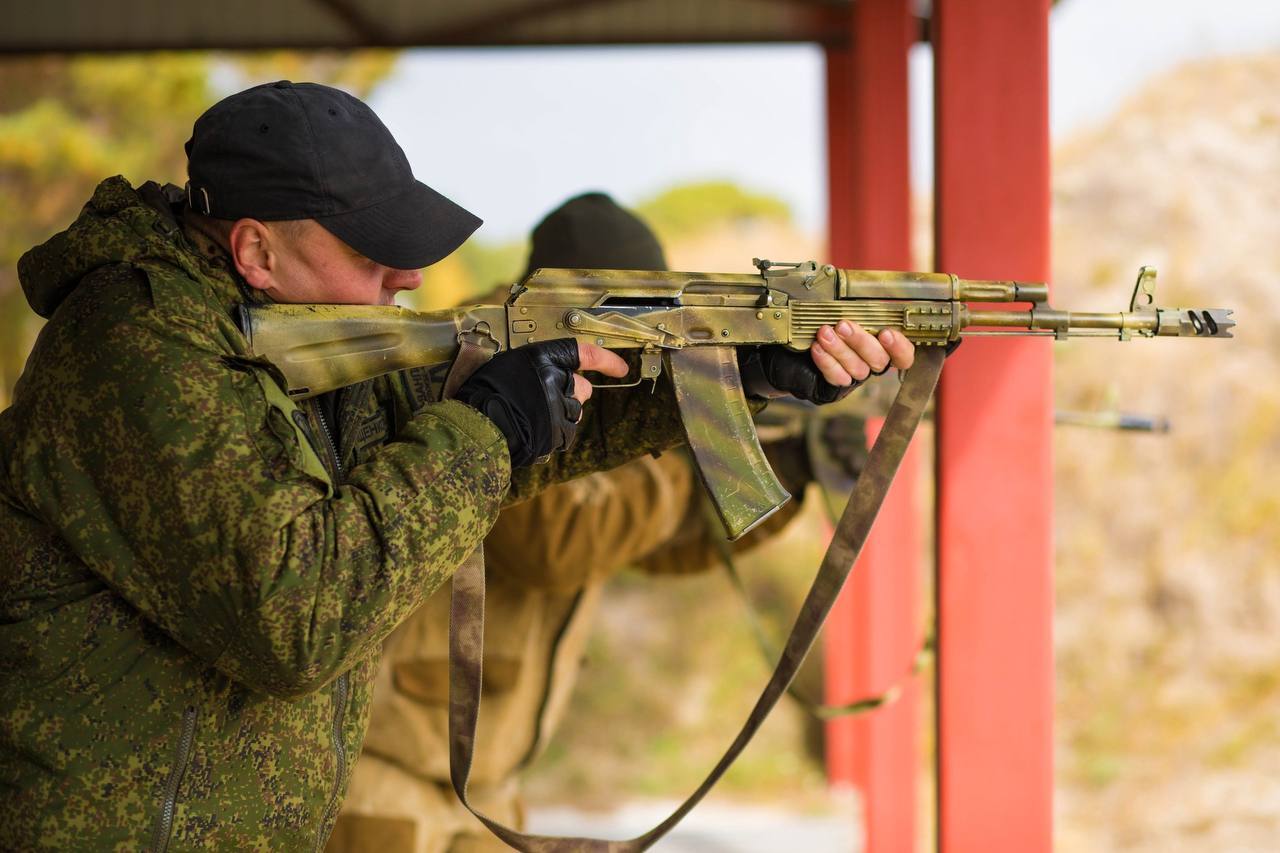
(290, 229)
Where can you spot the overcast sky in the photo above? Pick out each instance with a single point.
(510, 133)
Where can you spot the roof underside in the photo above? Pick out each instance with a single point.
(123, 25)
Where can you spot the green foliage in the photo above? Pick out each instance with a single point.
(64, 126)
(91, 118)
(357, 73)
(691, 209)
(493, 265)
(682, 212)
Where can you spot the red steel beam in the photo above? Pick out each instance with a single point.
(872, 634)
(872, 637)
(995, 415)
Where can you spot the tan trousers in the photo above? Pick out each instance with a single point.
(396, 812)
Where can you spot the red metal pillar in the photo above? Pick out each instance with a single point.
(872, 633)
(868, 162)
(995, 415)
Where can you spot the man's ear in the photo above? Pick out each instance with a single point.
(253, 254)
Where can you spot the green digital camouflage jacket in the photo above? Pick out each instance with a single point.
(193, 588)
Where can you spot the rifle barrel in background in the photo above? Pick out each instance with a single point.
(1126, 421)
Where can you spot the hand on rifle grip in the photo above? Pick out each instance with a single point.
(838, 361)
(534, 394)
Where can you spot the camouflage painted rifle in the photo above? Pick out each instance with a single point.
(689, 325)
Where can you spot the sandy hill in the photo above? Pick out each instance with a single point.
(1168, 551)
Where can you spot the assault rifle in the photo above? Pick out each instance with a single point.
(689, 324)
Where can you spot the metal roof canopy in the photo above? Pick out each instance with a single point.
(128, 25)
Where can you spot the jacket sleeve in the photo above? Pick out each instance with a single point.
(650, 513)
(576, 532)
(177, 480)
(700, 540)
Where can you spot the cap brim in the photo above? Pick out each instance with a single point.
(409, 231)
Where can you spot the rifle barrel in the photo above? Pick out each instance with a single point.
(1184, 322)
(1052, 320)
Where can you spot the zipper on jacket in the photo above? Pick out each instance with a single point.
(168, 805)
(340, 690)
(341, 687)
(307, 417)
(330, 443)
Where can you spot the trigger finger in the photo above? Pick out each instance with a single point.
(592, 357)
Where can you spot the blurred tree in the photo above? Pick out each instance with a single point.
(64, 126)
(680, 213)
(688, 210)
(474, 271)
(358, 73)
(67, 123)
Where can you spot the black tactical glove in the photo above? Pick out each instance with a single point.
(775, 371)
(528, 393)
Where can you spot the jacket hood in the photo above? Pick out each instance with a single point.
(118, 225)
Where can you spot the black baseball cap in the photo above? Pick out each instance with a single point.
(593, 231)
(305, 151)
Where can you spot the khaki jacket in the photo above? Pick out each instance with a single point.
(546, 560)
(546, 563)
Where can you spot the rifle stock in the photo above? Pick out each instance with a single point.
(319, 348)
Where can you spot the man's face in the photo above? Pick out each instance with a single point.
(312, 265)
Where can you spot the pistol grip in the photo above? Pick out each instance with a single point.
(718, 425)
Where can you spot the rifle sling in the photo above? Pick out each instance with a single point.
(466, 624)
(471, 357)
(815, 707)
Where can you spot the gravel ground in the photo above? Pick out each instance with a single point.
(716, 827)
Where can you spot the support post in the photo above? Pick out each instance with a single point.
(873, 630)
(994, 452)
(873, 635)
